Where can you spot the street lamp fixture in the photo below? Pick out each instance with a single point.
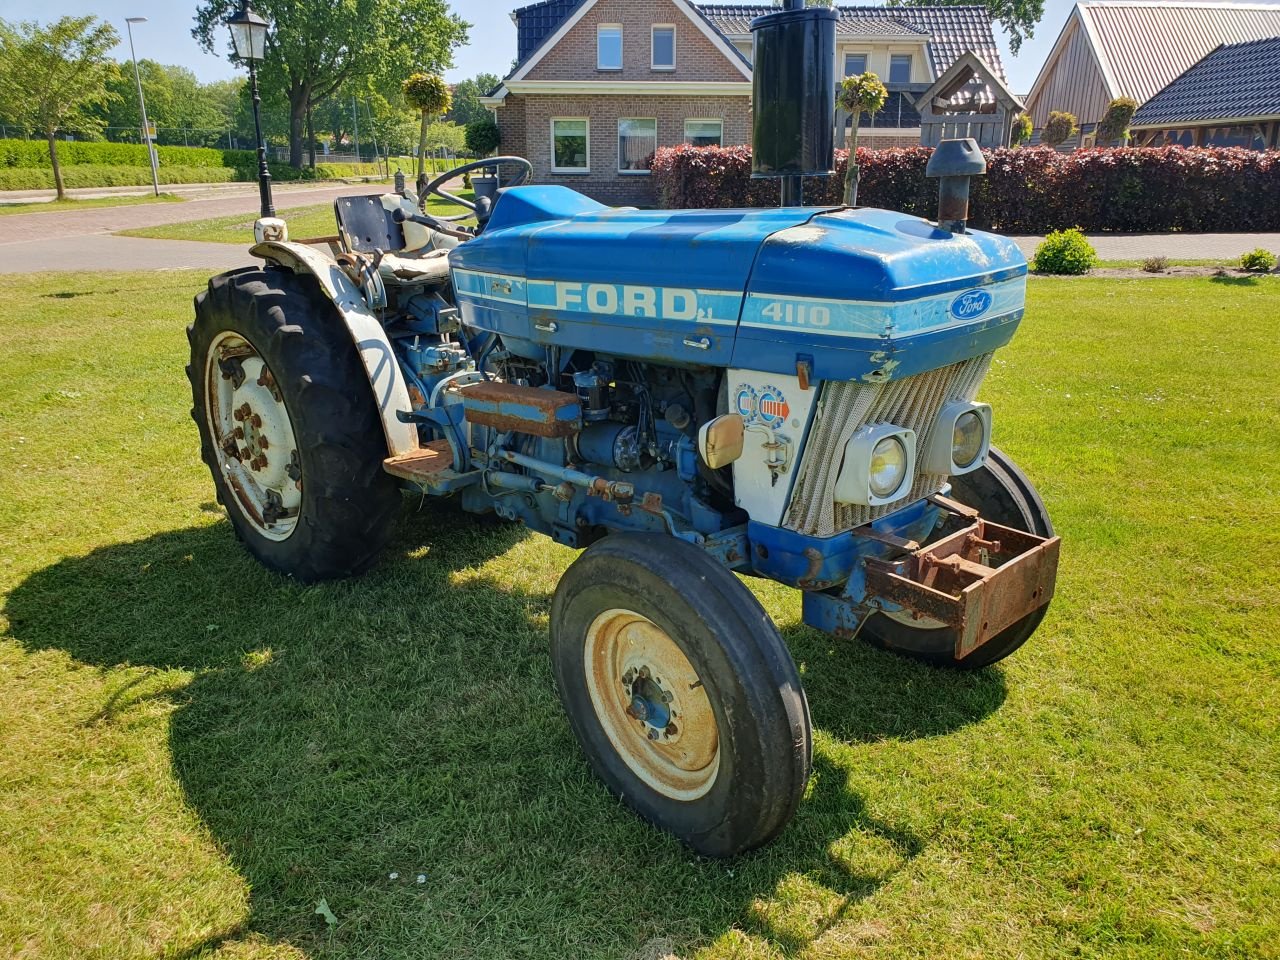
(142, 104)
(249, 38)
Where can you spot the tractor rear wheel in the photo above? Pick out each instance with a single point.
(1001, 493)
(681, 691)
(288, 425)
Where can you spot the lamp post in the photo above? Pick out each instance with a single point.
(142, 103)
(249, 37)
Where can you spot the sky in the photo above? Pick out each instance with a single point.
(166, 36)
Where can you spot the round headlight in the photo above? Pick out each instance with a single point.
(967, 440)
(888, 464)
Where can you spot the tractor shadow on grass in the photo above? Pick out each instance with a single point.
(406, 724)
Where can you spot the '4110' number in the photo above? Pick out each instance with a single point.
(798, 314)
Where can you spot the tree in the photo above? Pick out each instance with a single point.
(1018, 17)
(1060, 128)
(52, 77)
(429, 95)
(317, 50)
(863, 93)
(466, 97)
(483, 135)
(1022, 130)
(1114, 124)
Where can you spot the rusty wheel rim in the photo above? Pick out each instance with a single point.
(652, 705)
(252, 436)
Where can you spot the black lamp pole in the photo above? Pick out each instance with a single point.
(264, 172)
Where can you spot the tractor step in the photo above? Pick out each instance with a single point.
(422, 465)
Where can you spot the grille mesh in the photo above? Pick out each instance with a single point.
(912, 403)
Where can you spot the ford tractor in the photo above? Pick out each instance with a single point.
(691, 398)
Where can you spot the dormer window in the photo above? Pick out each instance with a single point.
(900, 68)
(609, 46)
(664, 46)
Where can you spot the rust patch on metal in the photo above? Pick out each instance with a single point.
(810, 579)
(508, 407)
(435, 457)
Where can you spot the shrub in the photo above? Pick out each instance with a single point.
(94, 175)
(1030, 190)
(35, 153)
(1114, 124)
(1022, 130)
(1258, 261)
(1060, 128)
(1064, 252)
(483, 135)
(1155, 264)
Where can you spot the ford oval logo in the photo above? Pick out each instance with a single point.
(971, 305)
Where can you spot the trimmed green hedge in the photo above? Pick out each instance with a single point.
(95, 175)
(35, 153)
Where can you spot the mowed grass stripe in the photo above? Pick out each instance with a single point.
(193, 751)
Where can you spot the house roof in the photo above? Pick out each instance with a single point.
(537, 21)
(951, 30)
(1234, 82)
(1142, 46)
(968, 70)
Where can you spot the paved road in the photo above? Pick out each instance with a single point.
(1175, 246)
(79, 240)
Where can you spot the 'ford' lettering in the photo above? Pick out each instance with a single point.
(654, 303)
(971, 305)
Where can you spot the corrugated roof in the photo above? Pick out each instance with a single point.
(1142, 47)
(951, 30)
(1235, 81)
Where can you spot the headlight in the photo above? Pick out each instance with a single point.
(960, 439)
(879, 466)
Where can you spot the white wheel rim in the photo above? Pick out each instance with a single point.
(252, 436)
(909, 619)
(652, 705)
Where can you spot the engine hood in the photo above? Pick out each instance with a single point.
(855, 293)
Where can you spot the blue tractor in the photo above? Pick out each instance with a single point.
(689, 396)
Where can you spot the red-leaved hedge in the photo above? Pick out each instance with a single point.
(1028, 190)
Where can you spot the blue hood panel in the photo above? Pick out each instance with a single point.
(856, 293)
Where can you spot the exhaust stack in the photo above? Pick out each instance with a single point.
(954, 162)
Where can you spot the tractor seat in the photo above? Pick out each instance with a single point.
(431, 267)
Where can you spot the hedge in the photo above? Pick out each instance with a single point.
(1029, 190)
(93, 175)
(72, 153)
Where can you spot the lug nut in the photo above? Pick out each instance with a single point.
(653, 734)
(666, 697)
(672, 730)
(263, 444)
(644, 673)
(256, 420)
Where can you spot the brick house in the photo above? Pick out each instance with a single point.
(599, 85)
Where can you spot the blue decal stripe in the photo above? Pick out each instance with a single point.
(489, 286)
(719, 307)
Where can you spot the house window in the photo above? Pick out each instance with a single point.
(900, 68)
(609, 46)
(855, 64)
(704, 133)
(570, 145)
(664, 47)
(637, 141)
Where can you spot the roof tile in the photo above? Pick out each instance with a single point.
(1233, 82)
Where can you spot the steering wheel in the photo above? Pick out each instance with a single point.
(479, 210)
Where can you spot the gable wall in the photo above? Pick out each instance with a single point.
(1074, 84)
(574, 57)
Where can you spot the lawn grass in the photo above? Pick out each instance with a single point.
(74, 204)
(306, 222)
(194, 752)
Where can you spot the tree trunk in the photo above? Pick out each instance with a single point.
(57, 168)
(311, 140)
(851, 174)
(422, 151)
(299, 97)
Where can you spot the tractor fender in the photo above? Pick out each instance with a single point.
(385, 379)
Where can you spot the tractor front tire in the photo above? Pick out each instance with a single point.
(1001, 493)
(288, 425)
(681, 691)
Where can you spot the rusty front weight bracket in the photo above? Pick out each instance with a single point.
(980, 580)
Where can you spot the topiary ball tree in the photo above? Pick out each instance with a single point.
(1061, 127)
(1114, 124)
(859, 94)
(1022, 129)
(428, 94)
(483, 135)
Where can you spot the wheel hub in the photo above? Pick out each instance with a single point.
(652, 705)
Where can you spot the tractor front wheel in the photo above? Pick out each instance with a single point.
(1001, 493)
(680, 690)
(288, 425)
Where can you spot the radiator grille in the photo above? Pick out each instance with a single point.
(912, 403)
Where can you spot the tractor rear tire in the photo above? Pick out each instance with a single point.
(288, 425)
(681, 691)
(1001, 493)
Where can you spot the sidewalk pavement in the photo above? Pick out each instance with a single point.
(1175, 246)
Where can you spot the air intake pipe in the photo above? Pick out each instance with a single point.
(954, 162)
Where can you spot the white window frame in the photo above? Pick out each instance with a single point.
(911, 66)
(571, 170)
(635, 173)
(689, 120)
(622, 59)
(653, 47)
(844, 62)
